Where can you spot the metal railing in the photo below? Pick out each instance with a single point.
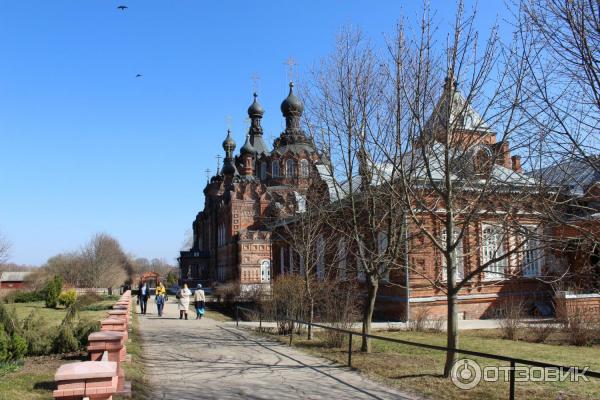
(513, 361)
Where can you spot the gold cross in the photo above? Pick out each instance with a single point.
(207, 173)
(255, 78)
(218, 161)
(228, 120)
(290, 62)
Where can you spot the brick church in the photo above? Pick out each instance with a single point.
(234, 239)
(231, 239)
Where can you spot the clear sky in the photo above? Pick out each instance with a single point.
(86, 147)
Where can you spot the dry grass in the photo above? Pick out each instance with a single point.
(417, 370)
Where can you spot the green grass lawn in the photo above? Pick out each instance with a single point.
(55, 316)
(418, 370)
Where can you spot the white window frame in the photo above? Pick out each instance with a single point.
(265, 271)
(361, 276)
(492, 247)
(533, 256)
(382, 245)
(342, 258)
(304, 168)
(320, 249)
(459, 258)
(290, 172)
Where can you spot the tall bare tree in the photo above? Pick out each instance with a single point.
(463, 194)
(563, 93)
(347, 112)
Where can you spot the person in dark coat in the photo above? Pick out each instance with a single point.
(143, 295)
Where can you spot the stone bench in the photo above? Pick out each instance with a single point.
(115, 325)
(122, 314)
(110, 346)
(96, 380)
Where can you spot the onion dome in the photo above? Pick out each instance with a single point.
(247, 148)
(228, 144)
(292, 106)
(255, 110)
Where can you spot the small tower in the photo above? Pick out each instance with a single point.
(247, 154)
(228, 164)
(256, 112)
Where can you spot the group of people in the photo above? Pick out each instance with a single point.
(183, 299)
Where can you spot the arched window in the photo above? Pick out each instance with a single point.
(304, 172)
(275, 168)
(263, 170)
(290, 168)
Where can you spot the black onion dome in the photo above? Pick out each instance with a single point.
(255, 110)
(292, 105)
(228, 143)
(247, 148)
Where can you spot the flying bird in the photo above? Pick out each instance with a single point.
(122, 8)
(139, 75)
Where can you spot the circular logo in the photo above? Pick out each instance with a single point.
(465, 374)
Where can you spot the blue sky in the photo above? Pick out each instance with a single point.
(86, 147)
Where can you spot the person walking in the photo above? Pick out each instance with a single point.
(183, 300)
(143, 294)
(199, 300)
(160, 298)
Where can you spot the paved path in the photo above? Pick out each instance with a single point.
(210, 360)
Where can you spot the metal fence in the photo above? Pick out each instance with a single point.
(511, 360)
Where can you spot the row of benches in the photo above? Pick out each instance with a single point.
(102, 376)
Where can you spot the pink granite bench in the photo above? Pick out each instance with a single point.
(93, 379)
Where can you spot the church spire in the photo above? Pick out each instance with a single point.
(255, 132)
(229, 147)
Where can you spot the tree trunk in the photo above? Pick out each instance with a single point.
(373, 285)
(311, 315)
(452, 332)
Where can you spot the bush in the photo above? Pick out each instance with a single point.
(539, 332)
(9, 321)
(38, 335)
(52, 292)
(24, 297)
(88, 298)
(4, 345)
(227, 292)
(18, 347)
(337, 306)
(67, 298)
(287, 300)
(83, 329)
(511, 316)
(65, 341)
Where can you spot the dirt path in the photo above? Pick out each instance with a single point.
(208, 360)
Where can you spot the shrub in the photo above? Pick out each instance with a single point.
(539, 332)
(8, 320)
(83, 329)
(227, 292)
(18, 347)
(337, 306)
(38, 335)
(420, 320)
(67, 298)
(511, 316)
(581, 326)
(4, 345)
(24, 297)
(287, 300)
(88, 298)
(52, 292)
(65, 341)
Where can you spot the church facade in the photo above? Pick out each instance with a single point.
(232, 240)
(237, 237)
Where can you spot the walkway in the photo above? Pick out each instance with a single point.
(210, 360)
